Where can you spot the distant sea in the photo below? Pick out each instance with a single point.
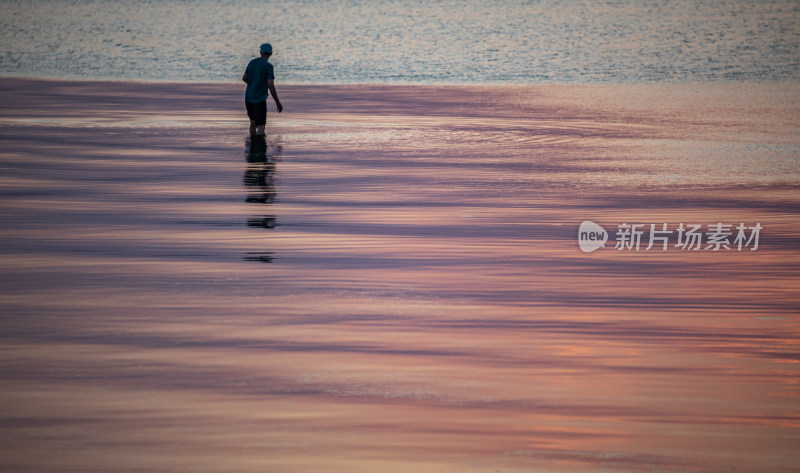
(405, 41)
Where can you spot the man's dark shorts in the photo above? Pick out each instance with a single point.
(257, 112)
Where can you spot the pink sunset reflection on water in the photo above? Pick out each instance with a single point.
(391, 281)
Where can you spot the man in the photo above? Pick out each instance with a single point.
(259, 76)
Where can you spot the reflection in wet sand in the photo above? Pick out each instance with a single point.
(426, 307)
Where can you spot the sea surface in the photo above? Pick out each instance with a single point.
(405, 41)
(393, 285)
(391, 280)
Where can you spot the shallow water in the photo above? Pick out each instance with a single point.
(405, 41)
(386, 284)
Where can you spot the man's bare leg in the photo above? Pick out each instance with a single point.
(260, 130)
(252, 127)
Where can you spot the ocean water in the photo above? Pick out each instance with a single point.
(390, 281)
(405, 41)
(385, 285)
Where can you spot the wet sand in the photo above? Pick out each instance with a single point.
(391, 280)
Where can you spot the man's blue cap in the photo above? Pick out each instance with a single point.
(266, 48)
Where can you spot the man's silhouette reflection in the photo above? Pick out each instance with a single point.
(259, 180)
(260, 174)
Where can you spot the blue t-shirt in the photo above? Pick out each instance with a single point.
(258, 71)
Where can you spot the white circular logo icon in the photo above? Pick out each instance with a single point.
(591, 236)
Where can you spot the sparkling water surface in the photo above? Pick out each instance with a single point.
(404, 41)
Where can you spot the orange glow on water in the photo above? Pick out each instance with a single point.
(386, 288)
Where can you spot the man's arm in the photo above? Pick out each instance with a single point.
(244, 77)
(271, 85)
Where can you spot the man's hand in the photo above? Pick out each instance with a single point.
(274, 93)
